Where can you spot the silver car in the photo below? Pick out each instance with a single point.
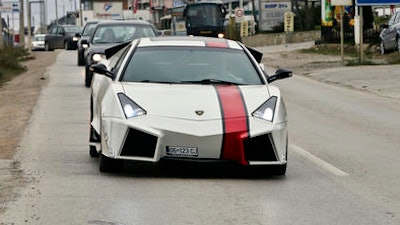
(390, 35)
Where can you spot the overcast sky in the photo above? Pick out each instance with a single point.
(63, 7)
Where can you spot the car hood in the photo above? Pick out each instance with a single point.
(100, 48)
(195, 102)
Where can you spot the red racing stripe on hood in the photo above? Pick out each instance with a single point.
(234, 121)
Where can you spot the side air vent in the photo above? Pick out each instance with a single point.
(140, 144)
(259, 148)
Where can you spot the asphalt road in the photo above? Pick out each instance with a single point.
(343, 167)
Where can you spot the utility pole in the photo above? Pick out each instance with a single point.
(1, 31)
(21, 23)
(56, 12)
(29, 26)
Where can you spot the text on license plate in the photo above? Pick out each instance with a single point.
(182, 151)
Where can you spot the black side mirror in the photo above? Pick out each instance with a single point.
(101, 69)
(280, 74)
(84, 41)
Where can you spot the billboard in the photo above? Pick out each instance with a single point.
(330, 14)
(377, 2)
(272, 13)
(107, 10)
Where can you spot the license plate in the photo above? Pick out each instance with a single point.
(182, 151)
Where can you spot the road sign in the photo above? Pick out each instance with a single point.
(9, 6)
(239, 13)
(377, 2)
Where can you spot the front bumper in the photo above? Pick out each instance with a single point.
(148, 138)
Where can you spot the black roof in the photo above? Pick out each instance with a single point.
(134, 22)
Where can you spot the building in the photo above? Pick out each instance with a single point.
(148, 10)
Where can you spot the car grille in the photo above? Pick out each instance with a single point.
(259, 148)
(140, 144)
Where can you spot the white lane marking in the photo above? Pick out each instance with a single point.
(326, 166)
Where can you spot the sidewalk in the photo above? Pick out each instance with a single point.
(382, 80)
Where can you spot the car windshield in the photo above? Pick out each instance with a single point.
(38, 38)
(121, 33)
(191, 65)
(89, 28)
(72, 29)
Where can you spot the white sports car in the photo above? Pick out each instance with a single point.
(187, 98)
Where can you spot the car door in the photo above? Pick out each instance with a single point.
(50, 38)
(60, 37)
(389, 34)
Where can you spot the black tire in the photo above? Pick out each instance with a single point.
(93, 152)
(398, 43)
(110, 165)
(382, 48)
(81, 61)
(88, 76)
(47, 47)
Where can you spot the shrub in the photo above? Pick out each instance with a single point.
(10, 62)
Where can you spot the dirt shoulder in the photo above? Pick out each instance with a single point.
(18, 99)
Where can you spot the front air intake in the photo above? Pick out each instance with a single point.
(259, 148)
(140, 144)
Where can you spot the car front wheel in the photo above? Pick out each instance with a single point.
(398, 44)
(88, 76)
(81, 61)
(93, 152)
(382, 48)
(47, 47)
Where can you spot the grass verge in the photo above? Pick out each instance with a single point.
(372, 55)
(10, 62)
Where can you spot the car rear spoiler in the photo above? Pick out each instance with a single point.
(114, 49)
(255, 53)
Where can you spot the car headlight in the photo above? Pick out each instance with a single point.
(130, 108)
(85, 46)
(220, 35)
(98, 57)
(267, 110)
(75, 39)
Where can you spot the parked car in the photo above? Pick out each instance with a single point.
(390, 35)
(193, 99)
(38, 42)
(109, 33)
(87, 31)
(62, 37)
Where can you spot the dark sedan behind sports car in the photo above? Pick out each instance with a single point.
(87, 31)
(62, 36)
(109, 33)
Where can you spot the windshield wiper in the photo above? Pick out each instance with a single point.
(157, 81)
(210, 81)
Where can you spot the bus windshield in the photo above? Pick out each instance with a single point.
(203, 15)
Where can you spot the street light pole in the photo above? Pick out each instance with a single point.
(1, 32)
(21, 23)
(29, 25)
(56, 12)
